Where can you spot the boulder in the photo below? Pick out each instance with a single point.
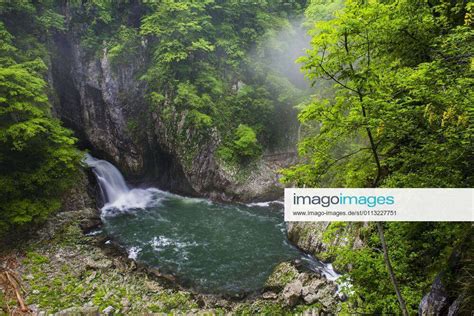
(282, 274)
(292, 293)
(293, 286)
(310, 291)
(436, 301)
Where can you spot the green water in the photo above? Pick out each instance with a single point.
(211, 247)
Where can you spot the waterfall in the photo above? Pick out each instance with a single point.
(118, 197)
(110, 179)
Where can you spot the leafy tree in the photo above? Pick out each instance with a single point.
(391, 120)
(398, 117)
(246, 144)
(37, 158)
(244, 148)
(201, 59)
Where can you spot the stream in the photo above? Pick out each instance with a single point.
(209, 246)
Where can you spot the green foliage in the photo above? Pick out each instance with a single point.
(199, 106)
(243, 148)
(37, 156)
(197, 60)
(172, 301)
(124, 46)
(179, 27)
(35, 258)
(201, 59)
(418, 252)
(322, 10)
(246, 143)
(397, 116)
(98, 15)
(416, 109)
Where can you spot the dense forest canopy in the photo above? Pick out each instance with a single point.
(38, 159)
(391, 105)
(212, 60)
(399, 115)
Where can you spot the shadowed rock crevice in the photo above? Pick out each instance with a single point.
(99, 103)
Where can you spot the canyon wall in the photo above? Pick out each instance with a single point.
(104, 104)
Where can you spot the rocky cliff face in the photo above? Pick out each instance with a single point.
(103, 104)
(92, 102)
(451, 291)
(310, 237)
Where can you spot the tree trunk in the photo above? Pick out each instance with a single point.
(401, 301)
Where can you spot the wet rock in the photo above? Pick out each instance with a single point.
(309, 236)
(90, 223)
(282, 274)
(436, 301)
(90, 100)
(292, 293)
(455, 307)
(293, 287)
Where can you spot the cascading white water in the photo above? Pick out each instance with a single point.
(110, 179)
(118, 197)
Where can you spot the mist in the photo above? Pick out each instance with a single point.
(280, 50)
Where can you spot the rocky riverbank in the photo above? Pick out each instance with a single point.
(66, 269)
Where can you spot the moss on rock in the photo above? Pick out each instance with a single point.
(283, 274)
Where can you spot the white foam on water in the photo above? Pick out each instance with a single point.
(158, 243)
(133, 199)
(94, 232)
(329, 272)
(161, 242)
(191, 200)
(133, 252)
(118, 197)
(264, 204)
(325, 268)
